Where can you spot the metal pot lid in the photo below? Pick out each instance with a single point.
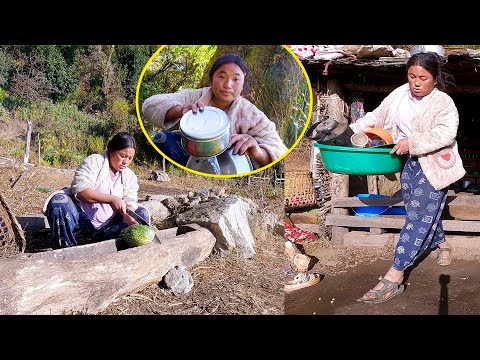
(439, 49)
(204, 125)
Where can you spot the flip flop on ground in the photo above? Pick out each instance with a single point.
(378, 296)
(441, 258)
(302, 280)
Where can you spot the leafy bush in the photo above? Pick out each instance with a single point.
(95, 145)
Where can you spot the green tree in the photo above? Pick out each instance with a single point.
(131, 60)
(61, 68)
(174, 68)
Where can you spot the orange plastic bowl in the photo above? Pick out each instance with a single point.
(376, 133)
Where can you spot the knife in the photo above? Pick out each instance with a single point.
(138, 218)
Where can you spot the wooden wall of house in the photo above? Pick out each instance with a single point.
(466, 97)
(375, 85)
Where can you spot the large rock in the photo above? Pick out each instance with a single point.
(161, 216)
(229, 220)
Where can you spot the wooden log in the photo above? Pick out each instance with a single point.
(372, 184)
(362, 238)
(50, 284)
(460, 207)
(346, 202)
(389, 184)
(339, 188)
(386, 88)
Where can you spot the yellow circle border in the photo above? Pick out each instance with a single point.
(310, 110)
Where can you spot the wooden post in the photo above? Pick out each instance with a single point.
(39, 156)
(339, 186)
(27, 146)
(372, 184)
(340, 183)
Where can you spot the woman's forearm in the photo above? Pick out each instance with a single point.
(173, 114)
(261, 156)
(92, 196)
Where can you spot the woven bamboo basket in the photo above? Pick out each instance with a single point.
(299, 158)
(299, 191)
(298, 188)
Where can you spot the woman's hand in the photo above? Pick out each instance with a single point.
(129, 220)
(118, 205)
(241, 143)
(198, 106)
(178, 111)
(92, 196)
(401, 148)
(244, 143)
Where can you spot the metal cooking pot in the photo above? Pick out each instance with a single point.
(205, 133)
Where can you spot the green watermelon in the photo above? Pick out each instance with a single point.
(138, 235)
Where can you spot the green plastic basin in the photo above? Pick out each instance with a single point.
(360, 161)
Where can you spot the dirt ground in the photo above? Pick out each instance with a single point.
(430, 289)
(348, 272)
(222, 285)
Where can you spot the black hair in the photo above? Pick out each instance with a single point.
(228, 59)
(120, 141)
(433, 63)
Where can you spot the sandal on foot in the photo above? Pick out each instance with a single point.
(302, 280)
(444, 260)
(379, 295)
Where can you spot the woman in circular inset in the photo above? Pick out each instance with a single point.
(252, 132)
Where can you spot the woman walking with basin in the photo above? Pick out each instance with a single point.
(423, 120)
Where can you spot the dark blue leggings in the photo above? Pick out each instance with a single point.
(67, 220)
(169, 143)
